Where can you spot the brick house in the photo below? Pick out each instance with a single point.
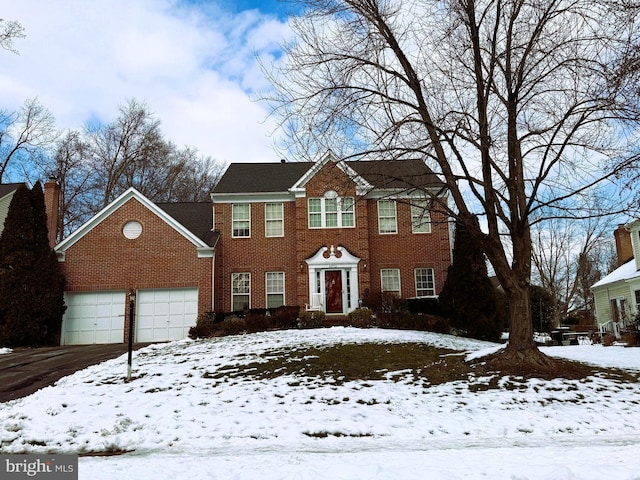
(321, 235)
(162, 252)
(326, 235)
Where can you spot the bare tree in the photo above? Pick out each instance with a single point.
(28, 131)
(126, 152)
(521, 107)
(10, 30)
(563, 262)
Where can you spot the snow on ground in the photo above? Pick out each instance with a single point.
(4, 350)
(182, 417)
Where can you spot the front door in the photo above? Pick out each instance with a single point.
(333, 289)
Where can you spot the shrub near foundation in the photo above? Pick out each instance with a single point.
(312, 320)
(361, 318)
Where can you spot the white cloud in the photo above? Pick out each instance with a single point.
(195, 69)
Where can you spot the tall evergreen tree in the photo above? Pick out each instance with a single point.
(468, 298)
(31, 283)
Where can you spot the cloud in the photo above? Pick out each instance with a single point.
(194, 65)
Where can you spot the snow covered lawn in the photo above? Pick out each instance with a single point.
(185, 416)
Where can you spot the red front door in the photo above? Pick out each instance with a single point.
(333, 289)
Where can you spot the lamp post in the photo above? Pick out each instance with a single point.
(132, 309)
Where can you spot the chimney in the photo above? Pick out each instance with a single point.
(52, 206)
(624, 250)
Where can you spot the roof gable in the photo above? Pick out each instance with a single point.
(203, 248)
(362, 186)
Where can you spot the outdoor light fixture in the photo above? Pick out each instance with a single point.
(132, 309)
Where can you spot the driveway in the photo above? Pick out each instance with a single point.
(27, 370)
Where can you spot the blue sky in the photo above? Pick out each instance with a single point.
(192, 61)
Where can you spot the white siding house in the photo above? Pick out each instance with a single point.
(617, 296)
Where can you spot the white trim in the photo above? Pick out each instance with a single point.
(233, 229)
(266, 287)
(395, 216)
(362, 186)
(267, 220)
(203, 249)
(339, 259)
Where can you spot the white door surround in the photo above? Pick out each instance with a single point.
(331, 259)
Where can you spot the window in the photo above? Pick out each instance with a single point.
(390, 280)
(331, 211)
(619, 311)
(273, 220)
(387, 216)
(240, 291)
(275, 289)
(425, 286)
(132, 229)
(420, 217)
(241, 220)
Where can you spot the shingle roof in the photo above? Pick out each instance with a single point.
(279, 177)
(261, 177)
(7, 188)
(411, 173)
(197, 217)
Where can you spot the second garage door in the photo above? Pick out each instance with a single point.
(165, 314)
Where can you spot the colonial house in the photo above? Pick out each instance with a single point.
(617, 296)
(322, 235)
(326, 235)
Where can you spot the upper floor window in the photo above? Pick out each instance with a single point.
(420, 217)
(241, 220)
(387, 220)
(331, 211)
(275, 289)
(390, 280)
(425, 286)
(273, 220)
(240, 291)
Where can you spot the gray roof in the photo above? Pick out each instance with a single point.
(7, 188)
(197, 217)
(279, 177)
(261, 177)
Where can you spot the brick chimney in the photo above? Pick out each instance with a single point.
(52, 206)
(624, 250)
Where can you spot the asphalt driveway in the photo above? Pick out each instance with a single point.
(26, 370)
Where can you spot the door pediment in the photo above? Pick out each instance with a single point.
(332, 257)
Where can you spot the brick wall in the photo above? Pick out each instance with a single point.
(103, 259)
(258, 255)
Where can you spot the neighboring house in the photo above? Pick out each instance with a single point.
(323, 236)
(6, 195)
(617, 296)
(327, 235)
(163, 253)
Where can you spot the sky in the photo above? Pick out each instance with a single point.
(194, 410)
(192, 62)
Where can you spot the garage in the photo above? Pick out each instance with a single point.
(165, 314)
(93, 317)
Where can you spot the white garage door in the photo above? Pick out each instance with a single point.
(93, 317)
(165, 314)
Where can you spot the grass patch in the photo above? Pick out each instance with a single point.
(399, 362)
(352, 362)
